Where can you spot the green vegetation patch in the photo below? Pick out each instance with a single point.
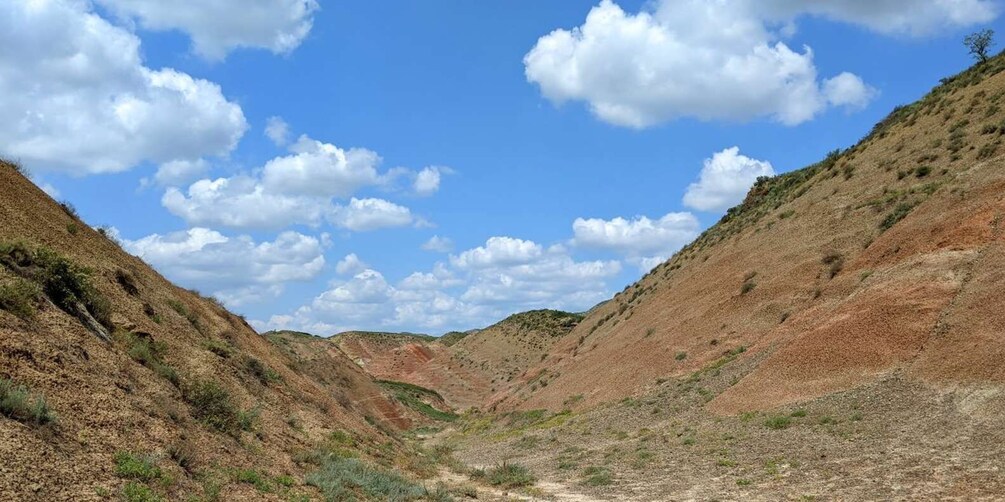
(19, 297)
(349, 479)
(597, 476)
(18, 403)
(416, 397)
(508, 475)
(65, 283)
(213, 405)
(133, 466)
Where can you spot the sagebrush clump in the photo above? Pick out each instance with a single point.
(19, 403)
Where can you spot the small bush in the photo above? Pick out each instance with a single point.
(343, 478)
(141, 467)
(19, 297)
(748, 287)
(778, 422)
(798, 413)
(922, 171)
(681, 356)
(899, 213)
(259, 370)
(66, 284)
(212, 404)
(252, 477)
(510, 475)
(144, 350)
(136, 492)
(18, 403)
(597, 476)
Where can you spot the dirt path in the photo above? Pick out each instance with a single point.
(545, 490)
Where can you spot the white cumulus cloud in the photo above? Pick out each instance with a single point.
(718, 59)
(219, 26)
(277, 130)
(637, 237)
(438, 244)
(725, 180)
(79, 99)
(370, 214)
(237, 269)
(350, 265)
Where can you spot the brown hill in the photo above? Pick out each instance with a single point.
(467, 371)
(114, 381)
(884, 258)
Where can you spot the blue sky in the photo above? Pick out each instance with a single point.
(517, 145)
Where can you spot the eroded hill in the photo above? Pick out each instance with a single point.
(468, 371)
(114, 383)
(883, 258)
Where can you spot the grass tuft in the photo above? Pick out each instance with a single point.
(18, 403)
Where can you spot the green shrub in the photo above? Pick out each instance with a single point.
(922, 171)
(252, 477)
(597, 476)
(778, 422)
(798, 413)
(342, 479)
(259, 370)
(212, 404)
(19, 297)
(18, 403)
(510, 475)
(136, 492)
(66, 284)
(748, 287)
(144, 350)
(899, 213)
(141, 467)
(681, 356)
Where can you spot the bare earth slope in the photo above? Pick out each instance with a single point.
(884, 258)
(180, 380)
(469, 372)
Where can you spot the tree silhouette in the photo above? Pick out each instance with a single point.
(978, 44)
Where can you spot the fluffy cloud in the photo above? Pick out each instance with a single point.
(219, 26)
(427, 181)
(361, 215)
(237, 269)
(178, 172)
(725, 180)
(640, 236)
(277, 130)
(322, 169)
(438, 244)
(479, 286)
(498, 251)
(242, 202)
(711, 60)
(297, 189)
(350, 265)
(78, 98)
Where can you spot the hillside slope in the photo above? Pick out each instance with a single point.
(467, 371)
(151, 389)
(883, 259)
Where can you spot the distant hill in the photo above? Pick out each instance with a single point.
(467, 369)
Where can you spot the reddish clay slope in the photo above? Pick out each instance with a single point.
(470, 372)
(886, 257)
